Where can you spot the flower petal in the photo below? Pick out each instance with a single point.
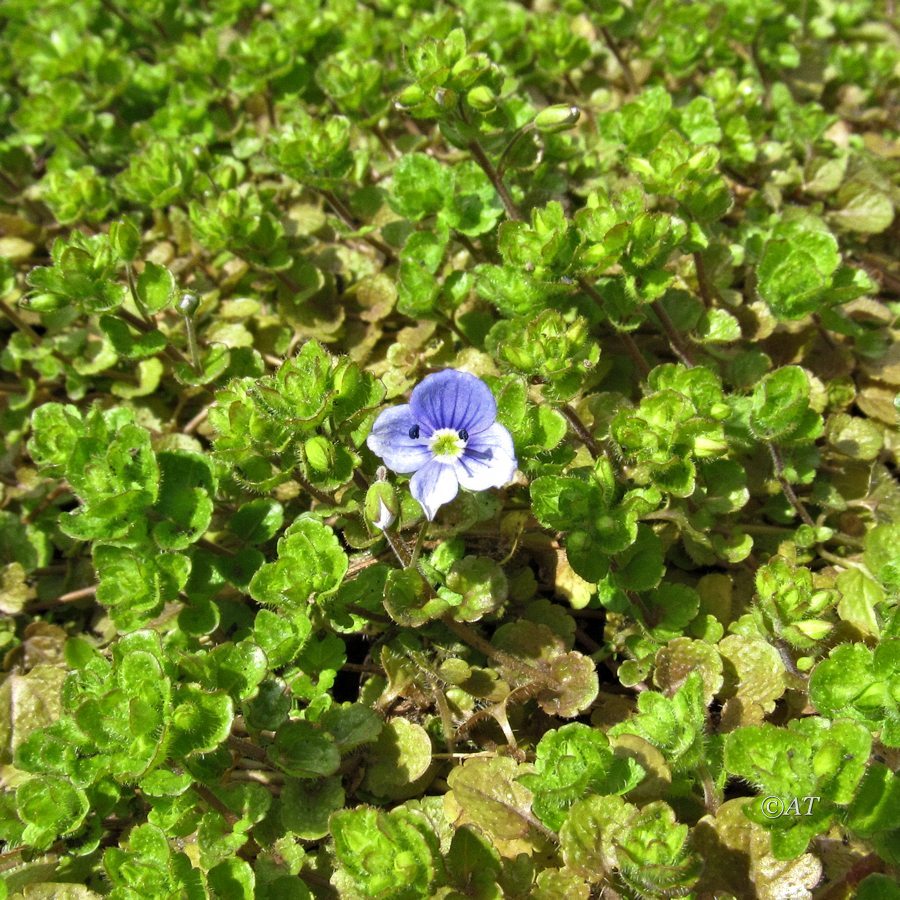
(433, 486)
(390, 440)
(452, 399)
(489, 460)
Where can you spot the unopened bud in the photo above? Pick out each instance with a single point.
(557, 118)
(444, 97)
(319, 453)
(706, 446)
(188, 304)
(814, 629)
(482, 98)
(409, 97)
(381, 505)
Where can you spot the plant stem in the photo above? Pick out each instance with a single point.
(786, 486)
(624, 65)
(627, 340)
(679, 348)
(520, 133)
(132, 288)
(471, 637)
(146, 327)
(192, 343)
(703, 285)
(581, 430)
(321, 496)
(248, 748)
(477, 151)
(19, 322)
(347, 217)
(417, 549)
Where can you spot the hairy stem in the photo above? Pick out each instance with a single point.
(786, 486)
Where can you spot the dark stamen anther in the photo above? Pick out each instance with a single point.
(414, 432)
(463, 434)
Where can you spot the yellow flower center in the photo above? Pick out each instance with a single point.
(447, 444)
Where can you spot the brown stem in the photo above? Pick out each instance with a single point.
(786, 486)
(624, 65)
(248, 748)
(147, 327)
(703, 285)
(471, 637)
(313, 491)
(19, 322)
(581, 430)
(347, 217)
(215, 803)
(70, 597)
(364, 613)
(679, 348)
(512, 211)
(627, 340)
(198, 420)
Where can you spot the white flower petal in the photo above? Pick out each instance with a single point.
(434, 485)
(390, 440)
(489, 460)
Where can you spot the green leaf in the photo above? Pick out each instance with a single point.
(858, 683)
(201, 721)
(421, 186)
(400, 757)
(676, 725)
(473, 864)
(796, 268)
(406, 599)
(232, 878)
(304, 751)
(257, 521)
(388, 856)
(351, 725)
(310, 561)
(155, 287)
(862, 208)
(482, 585)
(571, 763)
(307, 804)
(780, 405)
(489, 796)
(49, 807)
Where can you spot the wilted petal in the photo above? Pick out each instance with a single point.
(489, 460)
(433, 486)
(390, 440)
(452, 399)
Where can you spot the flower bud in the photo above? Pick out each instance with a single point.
(444, 97)
(319, 453)
(470, 67)
(814, 629)
(409, 97)
(708, 445)
(482, 98)
(188, 304)
(556, 118)
(381, 505)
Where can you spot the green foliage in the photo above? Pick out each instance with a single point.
(237, 661)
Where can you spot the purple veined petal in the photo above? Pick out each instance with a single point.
(452, 399)
(489, 460)
(390, 440)
(433, 486)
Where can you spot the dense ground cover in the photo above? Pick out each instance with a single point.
(238, 660)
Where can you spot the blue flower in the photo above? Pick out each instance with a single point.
(448, 436)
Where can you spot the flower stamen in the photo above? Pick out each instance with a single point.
(448, 444)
